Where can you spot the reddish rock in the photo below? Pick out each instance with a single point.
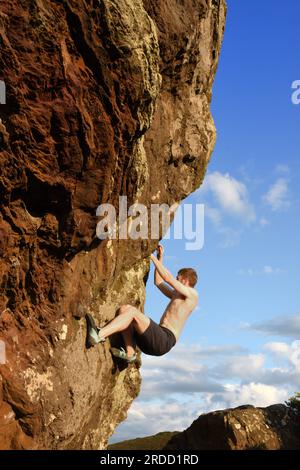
(244, 428)
(104, 98)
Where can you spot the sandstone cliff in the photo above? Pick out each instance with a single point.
(244, 428)
(104, 98)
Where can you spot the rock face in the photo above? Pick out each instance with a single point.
(104, 98)
(244, 428)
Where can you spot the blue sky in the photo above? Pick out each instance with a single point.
(242, 344)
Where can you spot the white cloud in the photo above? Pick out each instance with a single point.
(226, 198)
(277, 196)
(263, 222)
(230, 236)
(246, 272)
(288, 326)
(183, 355)
(146, 419)
(179, 371)
(291, 352)
(256, 394)
(213, 214)
(242, 367)
(283, 169)
(268, 270)
(277, 348)
(193, 379)
(265, 270)
(271, 270)
(294, 356)
(289, 355)
(230, 195)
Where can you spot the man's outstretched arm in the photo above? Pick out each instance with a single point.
(169, 278)
(158, 280)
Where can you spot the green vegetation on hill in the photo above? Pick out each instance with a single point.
(156, 442)
(294, 402)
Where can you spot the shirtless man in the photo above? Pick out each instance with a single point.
(138, 329)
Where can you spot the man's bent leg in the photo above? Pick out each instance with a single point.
(129, 340)
(127, 315)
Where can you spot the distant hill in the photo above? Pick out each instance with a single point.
(156, 442)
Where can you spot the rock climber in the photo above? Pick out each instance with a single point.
(138, 329)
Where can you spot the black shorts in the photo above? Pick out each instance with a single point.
(156, 340)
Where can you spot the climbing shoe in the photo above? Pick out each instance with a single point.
(93, 333)
(121, 354)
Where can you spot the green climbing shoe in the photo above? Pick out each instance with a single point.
(121, 354)
(93, 332)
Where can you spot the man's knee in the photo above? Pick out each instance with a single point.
(125, 308)
(133, 312)
(140, 321)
